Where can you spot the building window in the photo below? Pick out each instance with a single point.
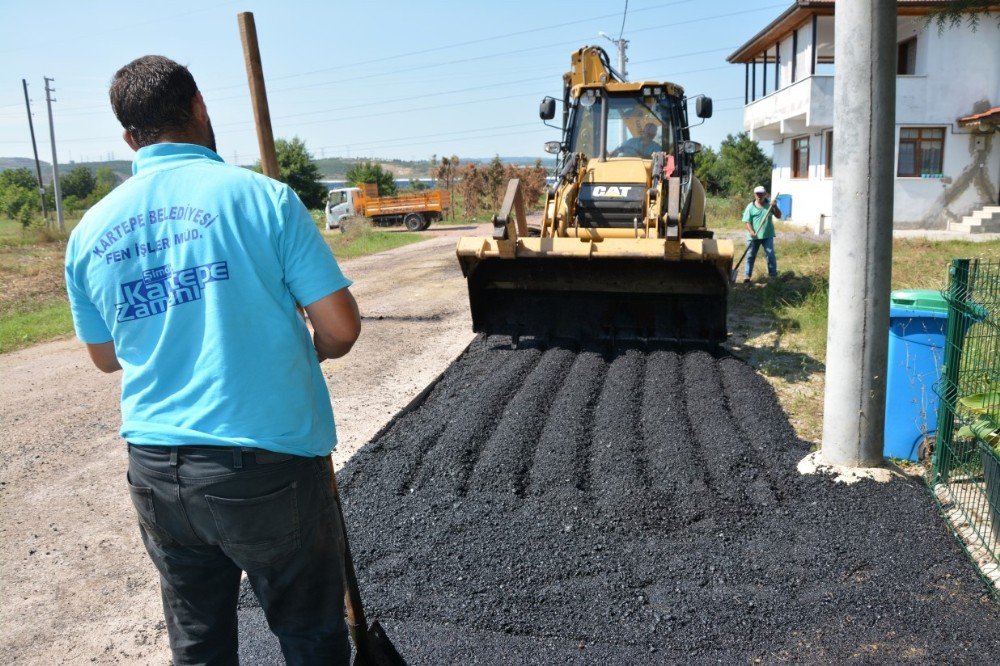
(906, 58)
(921, 152)
(828, 156)
(800, 157)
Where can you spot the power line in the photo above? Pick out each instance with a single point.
(249, 124)
(435, 135)
(445, 63)
(470, 42)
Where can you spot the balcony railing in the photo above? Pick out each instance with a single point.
(807, 103)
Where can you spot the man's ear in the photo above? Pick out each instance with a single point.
(198, 107)
(132, 143)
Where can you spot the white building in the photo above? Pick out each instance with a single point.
(947, 161)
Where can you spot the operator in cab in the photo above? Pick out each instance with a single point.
(642, 146)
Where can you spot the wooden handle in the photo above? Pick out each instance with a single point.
(356, 620)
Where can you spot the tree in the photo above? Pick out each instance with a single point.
(372, 172)
(445, 173)
(78, 183)
(533, 183)
(22, 177)
(951, 15)
(104, 181)
(742, 165)
(483, 188)
(706, 165)
(297, 170)
(472, 187)
(495, 181)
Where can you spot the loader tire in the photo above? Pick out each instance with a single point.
(413, 222)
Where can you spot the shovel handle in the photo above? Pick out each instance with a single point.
(356, 621)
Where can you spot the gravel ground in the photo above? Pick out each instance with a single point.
(633, 507)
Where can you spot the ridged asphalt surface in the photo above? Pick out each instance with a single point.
(637, 506)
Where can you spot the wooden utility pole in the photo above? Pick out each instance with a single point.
(34, 149)
(258, 95)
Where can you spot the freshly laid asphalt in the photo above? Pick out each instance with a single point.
(549, 505)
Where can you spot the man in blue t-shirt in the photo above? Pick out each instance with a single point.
(187, 278)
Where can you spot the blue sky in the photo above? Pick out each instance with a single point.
(388, 79)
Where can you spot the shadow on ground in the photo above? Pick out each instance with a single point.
(763, 313)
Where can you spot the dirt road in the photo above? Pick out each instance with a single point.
(76, 584)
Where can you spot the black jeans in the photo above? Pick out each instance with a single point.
(208, 513)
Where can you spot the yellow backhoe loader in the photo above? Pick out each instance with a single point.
(622, 251)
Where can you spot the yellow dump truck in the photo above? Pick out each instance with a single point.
(415, 211)
(622, 251)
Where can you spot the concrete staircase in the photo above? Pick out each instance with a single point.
(983, 221)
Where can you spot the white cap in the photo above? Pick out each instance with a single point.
(759, 190)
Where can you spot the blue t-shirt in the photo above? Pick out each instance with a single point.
(193, 268)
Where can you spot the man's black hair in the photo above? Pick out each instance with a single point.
(152, 95)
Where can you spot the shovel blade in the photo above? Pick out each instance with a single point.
(379, 651)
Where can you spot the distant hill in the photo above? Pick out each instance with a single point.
(332, 168)
(335, 168)
(121, 168)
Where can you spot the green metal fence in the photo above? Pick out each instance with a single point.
(965, 476)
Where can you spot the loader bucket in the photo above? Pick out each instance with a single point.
(610, 298)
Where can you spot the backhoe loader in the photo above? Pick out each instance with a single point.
(622, 250)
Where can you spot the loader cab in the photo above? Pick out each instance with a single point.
(609, 125)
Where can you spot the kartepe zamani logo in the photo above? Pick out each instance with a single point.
(161, 288)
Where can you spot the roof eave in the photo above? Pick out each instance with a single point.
(801, 10)
(787, 21)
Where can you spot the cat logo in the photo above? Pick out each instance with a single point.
(612, 191)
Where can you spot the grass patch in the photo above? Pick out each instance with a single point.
(33, 304)
(725, 212)
(362, 239)
(13, 234)
(795, 306)
(45, 322)
(780, 326)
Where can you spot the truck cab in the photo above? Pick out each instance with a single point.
(339, 205)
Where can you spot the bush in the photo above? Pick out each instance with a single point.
(482, 188)
(19, 198)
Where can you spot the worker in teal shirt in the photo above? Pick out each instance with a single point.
(760, 232)
(187, 278)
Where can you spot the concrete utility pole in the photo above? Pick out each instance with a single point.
(258, 94)
(34, 149)
(622, 46)
(55, 160)
(861, 246)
